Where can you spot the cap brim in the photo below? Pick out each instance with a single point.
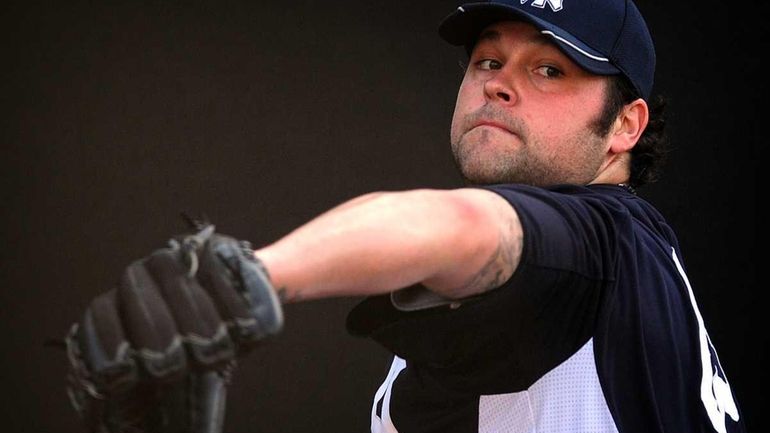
(463, 26)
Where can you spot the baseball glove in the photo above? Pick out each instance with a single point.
(155, 353)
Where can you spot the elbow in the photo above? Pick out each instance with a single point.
(474, 224)
(477, 244)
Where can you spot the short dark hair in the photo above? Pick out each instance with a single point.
(649, 154)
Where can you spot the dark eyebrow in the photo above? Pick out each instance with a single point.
(488, 35)
(494, 36)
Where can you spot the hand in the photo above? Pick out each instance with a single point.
(155, 353)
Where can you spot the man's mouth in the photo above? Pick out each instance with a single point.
(492, 124)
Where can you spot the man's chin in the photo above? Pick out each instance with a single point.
(476, 178)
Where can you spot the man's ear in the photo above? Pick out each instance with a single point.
(629, 126)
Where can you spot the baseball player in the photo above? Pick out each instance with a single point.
(546, 296)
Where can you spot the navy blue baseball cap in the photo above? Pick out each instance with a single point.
(605, 37)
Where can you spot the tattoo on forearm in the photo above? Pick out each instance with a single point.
(502, 262)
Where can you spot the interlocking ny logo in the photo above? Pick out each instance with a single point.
(555, 4)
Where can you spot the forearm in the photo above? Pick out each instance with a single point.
(381, 242)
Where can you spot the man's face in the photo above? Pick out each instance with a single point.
(525, 113)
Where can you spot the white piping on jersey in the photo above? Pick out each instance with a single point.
(385, 424)
(714, 391)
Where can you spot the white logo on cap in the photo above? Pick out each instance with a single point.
(555, 4)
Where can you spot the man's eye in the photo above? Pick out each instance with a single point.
(549, 72)
(488, 64)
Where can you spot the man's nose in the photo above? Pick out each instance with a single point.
(501, 88)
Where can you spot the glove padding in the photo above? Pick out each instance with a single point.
(155, 353)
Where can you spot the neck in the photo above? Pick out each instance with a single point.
(616, 171)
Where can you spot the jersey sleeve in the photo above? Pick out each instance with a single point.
(506, 339)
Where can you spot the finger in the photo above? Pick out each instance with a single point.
(195, 405)
(202, 328)
(241, 292)
(104, 347)
(149, 325)
(219, 281)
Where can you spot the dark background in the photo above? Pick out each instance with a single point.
(264, 114)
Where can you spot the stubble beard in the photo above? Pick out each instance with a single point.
(482, 159)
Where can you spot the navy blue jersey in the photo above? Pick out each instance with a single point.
(596, 331)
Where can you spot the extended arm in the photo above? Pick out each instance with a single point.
(203, 300)
(455, 242)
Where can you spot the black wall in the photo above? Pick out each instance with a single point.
(262, 115)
